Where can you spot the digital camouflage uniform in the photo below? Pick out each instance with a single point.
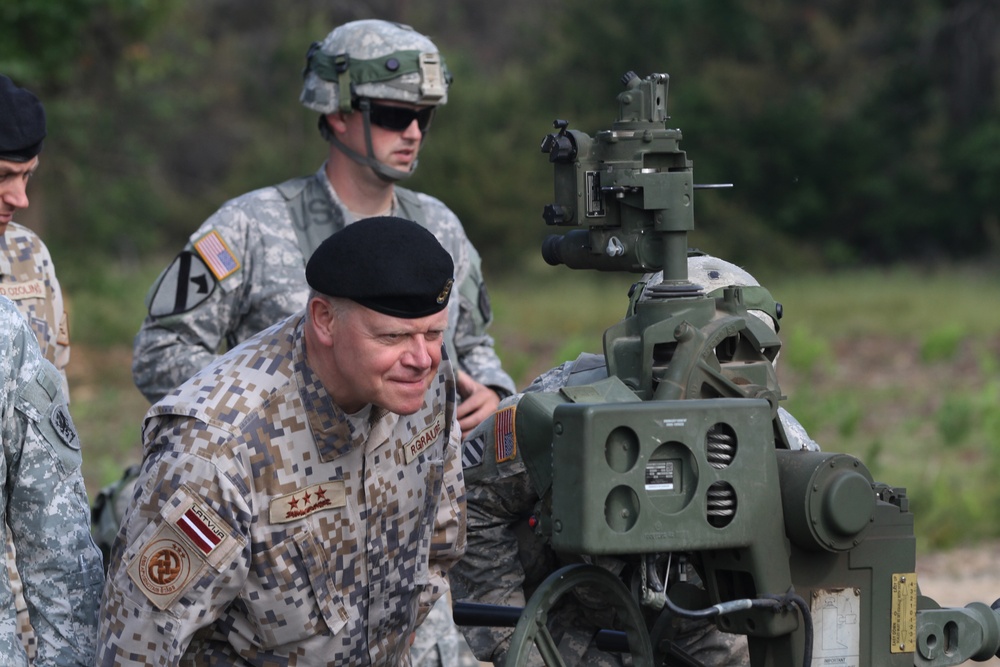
(45, 507)
(271, 528)
(244, 269)
(505, 560)
(193, 313)
(28, 278)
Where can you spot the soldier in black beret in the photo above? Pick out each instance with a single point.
(22, 123)
(386, 280)
(26, 274)
(22, 129)
(319, 462)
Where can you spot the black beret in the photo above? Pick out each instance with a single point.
(22, 123)
(391, 265)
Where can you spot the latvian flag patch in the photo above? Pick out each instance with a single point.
(201, 528)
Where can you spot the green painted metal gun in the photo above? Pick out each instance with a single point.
(680, 452)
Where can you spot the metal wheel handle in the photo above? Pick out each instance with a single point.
(531, 629)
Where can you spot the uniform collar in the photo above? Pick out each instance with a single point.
(335, 432)
(5, 265)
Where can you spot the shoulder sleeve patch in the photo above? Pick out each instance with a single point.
(63, 337)
(184, 285)
(42, 403)
(165, 567)
(472, 451)
(503, 430)
(485, 310)
(217, 255)
(63, 425)
(191, 538)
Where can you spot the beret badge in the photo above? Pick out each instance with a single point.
(443, 296)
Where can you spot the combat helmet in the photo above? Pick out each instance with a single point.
(372, 59)
(713, 275)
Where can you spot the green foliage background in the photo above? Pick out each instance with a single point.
(853, 131)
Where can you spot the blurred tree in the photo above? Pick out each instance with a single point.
(853, 131)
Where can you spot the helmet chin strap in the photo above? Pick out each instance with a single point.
(383, 171)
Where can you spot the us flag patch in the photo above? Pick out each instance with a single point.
(503, 432)
(217, 255)
(203, 531)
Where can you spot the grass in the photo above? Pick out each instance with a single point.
(898, 302)
(900, 368)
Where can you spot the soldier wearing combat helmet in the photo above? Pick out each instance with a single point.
(388, 72)
(375, 85)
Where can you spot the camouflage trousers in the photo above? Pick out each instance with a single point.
(575, 637)
(24, 630)
(438, 642)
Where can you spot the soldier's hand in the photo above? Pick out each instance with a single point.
(478, 402)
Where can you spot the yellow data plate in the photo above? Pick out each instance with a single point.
(903, 628)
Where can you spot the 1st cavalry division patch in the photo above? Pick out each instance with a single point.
(186, 283)
(472, 452)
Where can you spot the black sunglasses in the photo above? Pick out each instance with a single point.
(397, 119)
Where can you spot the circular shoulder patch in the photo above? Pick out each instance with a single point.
(164, 568)
(63, 425)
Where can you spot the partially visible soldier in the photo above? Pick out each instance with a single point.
(44, 507)
(376, 86)
(505, 560)
(27, 276)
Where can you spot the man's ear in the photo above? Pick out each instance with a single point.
(337, 122)
(323, 320)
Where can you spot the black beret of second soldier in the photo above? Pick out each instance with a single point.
(391, 265)
(22, 123)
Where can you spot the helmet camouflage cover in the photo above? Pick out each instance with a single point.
(374, 59)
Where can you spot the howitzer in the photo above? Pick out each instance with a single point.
(681, 453)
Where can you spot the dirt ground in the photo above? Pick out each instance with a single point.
(957, 577)
(961, 575)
